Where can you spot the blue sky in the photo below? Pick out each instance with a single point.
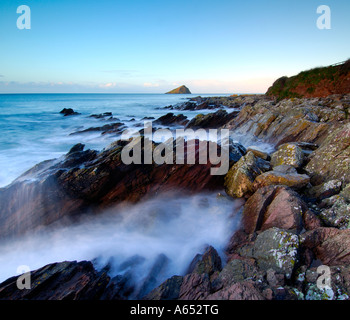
(137, 46)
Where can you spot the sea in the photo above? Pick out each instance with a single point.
(33, 130)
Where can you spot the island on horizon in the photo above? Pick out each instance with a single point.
(180, 90)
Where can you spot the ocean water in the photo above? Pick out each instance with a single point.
(32, 129)
(179, 226)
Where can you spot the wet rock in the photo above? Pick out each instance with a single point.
(288, 154)
(59, 281)
(292, 180)
(101, 115)
(208, 263)
(261, 154)
(168, 290)
(211, 120)
(68, 112)
(155, 273)
(116, 127)
(236, 151)
(172, 119)
(240, 178)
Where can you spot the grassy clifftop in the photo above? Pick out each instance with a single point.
(317, 82)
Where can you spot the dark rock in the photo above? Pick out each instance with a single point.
(168, 290)
(171, 119)
(59, 281)
(68, 112)
(211, 120)
(153, 276)
(207, 263)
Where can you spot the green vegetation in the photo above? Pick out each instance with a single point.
(306, 82)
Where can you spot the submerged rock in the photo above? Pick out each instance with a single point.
(68, 112)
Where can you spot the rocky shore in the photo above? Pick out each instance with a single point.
(295, 214)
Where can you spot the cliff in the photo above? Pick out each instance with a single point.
(180, 90)
(314, 83)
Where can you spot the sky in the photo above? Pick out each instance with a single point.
(153, 46)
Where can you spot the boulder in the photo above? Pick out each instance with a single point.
(288, 154)
(277, 249)
(325, 190)
(273, 206)
(240, 178)
(195, 287)
(261, 154)
(292, 180)
(331, 160)
(330, 245)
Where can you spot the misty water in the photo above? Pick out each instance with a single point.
(177, 226)
(174, 225)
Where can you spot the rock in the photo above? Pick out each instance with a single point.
(116, 127)
(261, 154)
(195, 287)
(325, 190)
(236, 270)
(168, 290)
(79, 147)
(180, 90)
(208, 263)
(288, 154)
(292, 180)
(101, 115)
(59, 281)
(53, 190)
(330, 245)
(211, 120)
(68, 112)
(238, 291)
(236, 151)
(156, 271)
(273, 206)
(171, 119)
(121, 287)
(240, 178)
(337, 214)
(286, 169)
(331, 160)
(277, 249)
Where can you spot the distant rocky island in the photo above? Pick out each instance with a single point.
(180, 90)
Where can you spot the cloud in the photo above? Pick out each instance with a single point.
(151, 85)
(1, 76)
(108, 85)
